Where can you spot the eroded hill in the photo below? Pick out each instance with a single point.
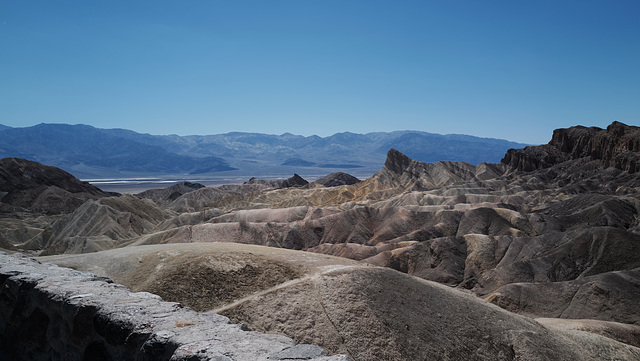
(366, 312)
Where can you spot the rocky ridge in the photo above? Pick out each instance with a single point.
(617, 147)
(294, 181)
(337, 179)
(32, 186)
(170, 193)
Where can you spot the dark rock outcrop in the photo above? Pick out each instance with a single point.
(337, 179)
(403, 172)
(38, 187)
(294, 181)
(170, 193)
(617, 147)
(396, 162)
(21, 174)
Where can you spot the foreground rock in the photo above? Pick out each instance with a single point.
(56, 313)
(368, 313)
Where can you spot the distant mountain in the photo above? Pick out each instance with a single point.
(78, 147)
(93, 152)
(3, 127)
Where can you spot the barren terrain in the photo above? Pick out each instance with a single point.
(426, 251)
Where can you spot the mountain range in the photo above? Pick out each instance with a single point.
(90, 152)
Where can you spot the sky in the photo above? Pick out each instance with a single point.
(512, 69)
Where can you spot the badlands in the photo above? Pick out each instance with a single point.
(533, 258)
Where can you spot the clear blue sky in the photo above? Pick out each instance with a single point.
(510, 69)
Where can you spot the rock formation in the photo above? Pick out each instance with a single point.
(170, 193)
(103, 224)
(294, 181)
(337, 179)
(33, 186)
(617, 147)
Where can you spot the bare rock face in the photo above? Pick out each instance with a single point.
(533, 157)
(294, 181)
(33, 186)
(103, 224)
(22, 174)
(397, 162)
(170, 193)
(400, 170)
(337, 179)
(617, 147)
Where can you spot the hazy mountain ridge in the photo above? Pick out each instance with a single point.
(82, 147)
(91, 152)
